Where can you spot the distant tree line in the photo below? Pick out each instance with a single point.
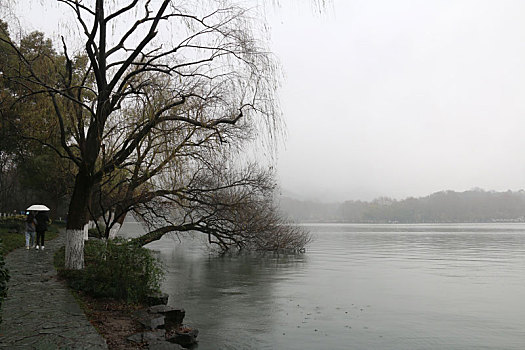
(440, 207)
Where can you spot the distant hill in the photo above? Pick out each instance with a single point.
(440, 207)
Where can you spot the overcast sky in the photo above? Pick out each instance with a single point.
(400, 98)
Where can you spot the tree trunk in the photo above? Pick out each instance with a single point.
(116, 227)
(77, 219)
(158, 233)
(74, 249)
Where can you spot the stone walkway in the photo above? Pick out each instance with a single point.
(40, 312)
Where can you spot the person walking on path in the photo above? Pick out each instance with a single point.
(41, 227)
(30, 230)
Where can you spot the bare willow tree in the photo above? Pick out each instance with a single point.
(182, 178)
(159, 92)
(234, 208)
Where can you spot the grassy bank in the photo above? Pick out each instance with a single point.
(116, 282)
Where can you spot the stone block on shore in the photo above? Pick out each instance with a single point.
(173, 317)
(150, 321)
(148, 337)
(185, 336)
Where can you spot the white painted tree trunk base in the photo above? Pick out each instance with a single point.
(75, 249)
(114, 231)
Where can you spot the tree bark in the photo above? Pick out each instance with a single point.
(74, 249)
(158, 233)
(116, 227)
(77, 220)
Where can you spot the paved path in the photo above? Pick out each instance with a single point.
(40, 312)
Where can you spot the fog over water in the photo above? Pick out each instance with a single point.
(391, 98)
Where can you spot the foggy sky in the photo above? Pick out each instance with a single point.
(399, 98)
(402, 98)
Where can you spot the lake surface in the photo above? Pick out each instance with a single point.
(358, 287)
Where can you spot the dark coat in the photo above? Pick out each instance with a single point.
(41, 221)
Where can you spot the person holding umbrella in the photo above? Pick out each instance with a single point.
(42, 219)
(30, 229)
(41, 227)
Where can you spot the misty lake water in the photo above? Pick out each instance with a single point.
(358, 287)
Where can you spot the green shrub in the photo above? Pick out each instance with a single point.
(114, 269)
(95, 232)
(4, 278)
(11, 241)
(13, 223)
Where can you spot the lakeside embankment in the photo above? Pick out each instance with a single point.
(40, 311)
